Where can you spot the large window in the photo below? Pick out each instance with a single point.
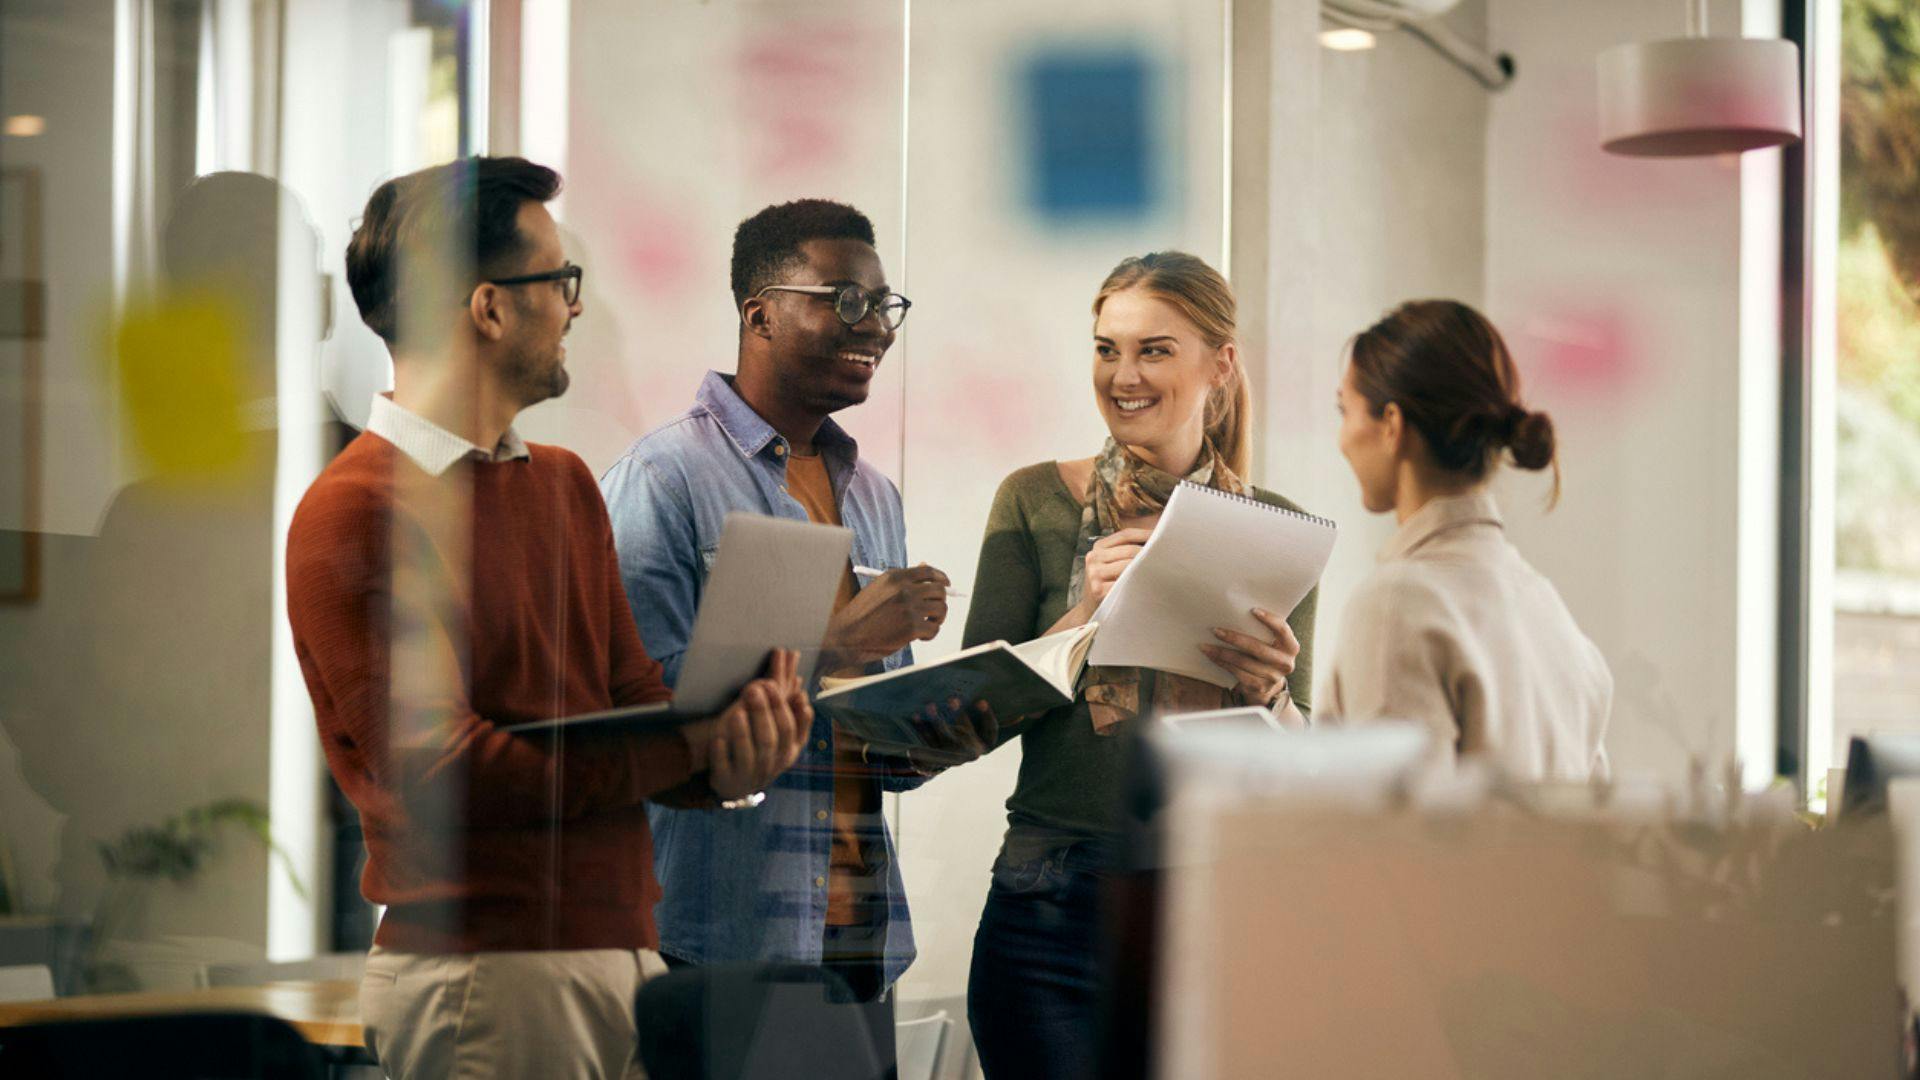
(1876, 399)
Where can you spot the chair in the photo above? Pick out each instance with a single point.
(234, 1046)
(26, 982)
(748, 1022)
(919, 1043)
(327, 967)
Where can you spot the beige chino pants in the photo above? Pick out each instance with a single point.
(565, 1014)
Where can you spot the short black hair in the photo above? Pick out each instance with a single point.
(472, 203)
(768, 243)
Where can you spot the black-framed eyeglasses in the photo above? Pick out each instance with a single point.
(569, 276)
(853, 303)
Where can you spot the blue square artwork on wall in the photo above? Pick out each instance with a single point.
(1091, 135)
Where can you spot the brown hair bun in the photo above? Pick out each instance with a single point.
(1450, 373)
(1532, 441)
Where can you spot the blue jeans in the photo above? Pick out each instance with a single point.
(1033, 998)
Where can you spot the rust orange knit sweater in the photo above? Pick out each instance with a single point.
(428, 611)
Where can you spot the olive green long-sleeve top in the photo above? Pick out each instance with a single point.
(1070, 778)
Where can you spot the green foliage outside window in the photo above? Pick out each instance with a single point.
(1879, 289)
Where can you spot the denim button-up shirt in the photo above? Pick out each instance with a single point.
(744, 885)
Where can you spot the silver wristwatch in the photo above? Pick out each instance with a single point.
(744, 802)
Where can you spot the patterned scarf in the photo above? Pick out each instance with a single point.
(1125, 487)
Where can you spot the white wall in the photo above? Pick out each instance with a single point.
(1618, 283)
(1394, 143)
(335, 139)
(685, 118)
(999, 348)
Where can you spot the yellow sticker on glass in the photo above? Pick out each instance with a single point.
(182, 384)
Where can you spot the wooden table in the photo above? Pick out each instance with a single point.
(326, 1014)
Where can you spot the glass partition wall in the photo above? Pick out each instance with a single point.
(182, 355)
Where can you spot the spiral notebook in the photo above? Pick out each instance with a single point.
(1212, 558)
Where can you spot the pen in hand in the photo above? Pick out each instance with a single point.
(868, 573)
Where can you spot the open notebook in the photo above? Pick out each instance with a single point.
(1016, 680)
(771, 587)
(1212, 558)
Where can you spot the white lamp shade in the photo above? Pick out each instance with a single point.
(1686, 97)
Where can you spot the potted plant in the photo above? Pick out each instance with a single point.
(173, 850)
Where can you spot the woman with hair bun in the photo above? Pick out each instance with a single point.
(1454, 629)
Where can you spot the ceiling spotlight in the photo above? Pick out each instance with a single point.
(1697, 96)
(1346, 39)
(25, 126)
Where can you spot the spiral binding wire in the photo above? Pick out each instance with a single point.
(1250, 500)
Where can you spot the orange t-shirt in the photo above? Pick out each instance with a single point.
(853, 889)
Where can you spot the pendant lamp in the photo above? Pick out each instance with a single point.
(1699, 95)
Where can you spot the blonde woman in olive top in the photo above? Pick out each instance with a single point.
(1168, 382)
(1455, 630)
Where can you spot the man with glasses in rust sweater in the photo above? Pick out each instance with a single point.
(445, 579)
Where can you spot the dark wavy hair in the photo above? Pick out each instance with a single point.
(464, 208)
(766, 245)
(1449, 371)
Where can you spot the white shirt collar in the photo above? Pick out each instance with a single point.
(431, 446)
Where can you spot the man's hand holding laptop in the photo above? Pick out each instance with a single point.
(751, 742)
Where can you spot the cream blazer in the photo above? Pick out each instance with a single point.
(1454, 630)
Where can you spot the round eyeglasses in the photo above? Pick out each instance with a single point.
(853, 303)
(569, 277)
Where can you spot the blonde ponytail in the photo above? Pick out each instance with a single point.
(1229, 420)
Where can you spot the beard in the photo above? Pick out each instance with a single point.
(535, 377)
(536, 370)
